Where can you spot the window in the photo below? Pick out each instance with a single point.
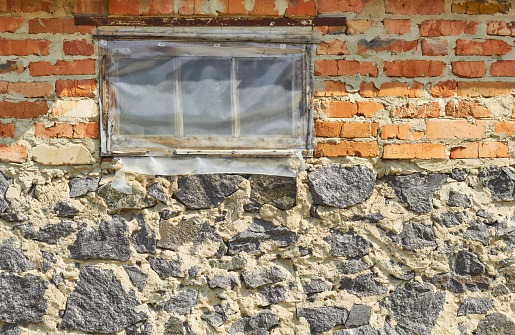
(204, 94)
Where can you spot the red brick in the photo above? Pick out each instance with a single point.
(355, 27)
(10, 24)
(56, 131)
(484, 89)
(466, 109)
(15, 153)
(439, 28)
(57, 26)
(487, 48)
(78, 48)
(444, 89)
(301, 8)
(434, 47)
(11, 66)
(503, 68)
(412, 111)
(264, 8)
(85, 130)
(414, 68)
(336, 6)
(234, 7)
(61, 68)
(504, 127)
(331, 88)
(3, 86)
(341, 109)
(480, 150)
(30, 90)
(368, 90)
(24, 47)
(397, 27)
(123, 7)
(445, 129)
(351, 68)
(414, 151)
(358, 129)
(469, 69)
(10, 6)
(401, 132)
(331, 30)
(89, 7)
(7, 130)
(188, 8)
(501, 28)
(347, 148)
(368, 108)
(37, 5)
(327, 128)
(76, 88)
(396, 89)
(158, 7)
(334, 47)
(475, 7)
(326, 67)
(393, 46)
(23, 109)
(410, 7)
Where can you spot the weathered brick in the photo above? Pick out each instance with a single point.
(437, 28)
(414, 68)
(480, 150)
(7, 130)
(85, 130)
(331, 88)
(24, 47)
(327, 128)
(484, 89)
(301, 8)
(84, 108)
(30, 90)
(23, 109)
(476, 7)
(57, 26)
(347, 148)
(334, 47)
(397, 27)
(328, 67)
(158, 7)
(469, 69)
(393, 46)
(264, 8)
(331, 30)
(56, 131)
(410, 7)
(78, 48)
(123, 7)
(11, 66)
(31, 6)
(434, 47)
(355, 27)
(61, 68)
(368, 108)
(10, 24)
(68, 154)
(401, 132)
(444, 129)
(397, 89)
(341, 109)
(3, 86)
(500, 28)
(444, 89)
(414, 151)
(188, 8)
(359, 129)
(504, 128)
(76, 88)
(368, 90)
(235, 7)
(336, 6)
(412, 110)
(503, 68)
(487, 48)
(15, 153)
(466, 109)
(90, 7)
(10, 6)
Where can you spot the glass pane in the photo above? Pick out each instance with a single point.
(206, 95)
(266, 99)
(145, 96)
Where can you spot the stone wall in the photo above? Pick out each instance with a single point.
(402, 223)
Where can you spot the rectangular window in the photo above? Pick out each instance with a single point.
(207, 96)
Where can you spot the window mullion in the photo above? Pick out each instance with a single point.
(234, 100)
(179, 125)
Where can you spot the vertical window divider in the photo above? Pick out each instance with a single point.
(179, 124)
(293, 114)
(234, 99)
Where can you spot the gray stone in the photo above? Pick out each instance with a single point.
(388, 330)
(509, 275)
(341, 187)
(459, 174)
(57, 278)
(143, 240)
(156, 190)
(99, 304)
(62, 208)
(496, 323)
(359, 315)
(272, 294)
(142, 328)
(316, 286)
(236, 263)
(322, 319)
(475, 305)
(5, 182)
(277, 191)
(417, 190)
(353, 265)
(258, 324)
(206, 191)
(116, 200)
(12, 257)
(477, 232)
(219, 281)
(22, 299)
(182, 303)
(255, 279)
(363, 286)
(458, 200)
(415, 236)
(484, 214)
(10, 329)
(499, 181)
(193, 271)
(363, 330)
(166, 269)
(216, 318)
(168, 214)
(347, 244)
(81, 186)
(466, 263)
(53, 232)
(110, 241)
(449, 219)
(372, 218)
(415, 307)
(137, 277)
(258, 232)
(174, 326)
